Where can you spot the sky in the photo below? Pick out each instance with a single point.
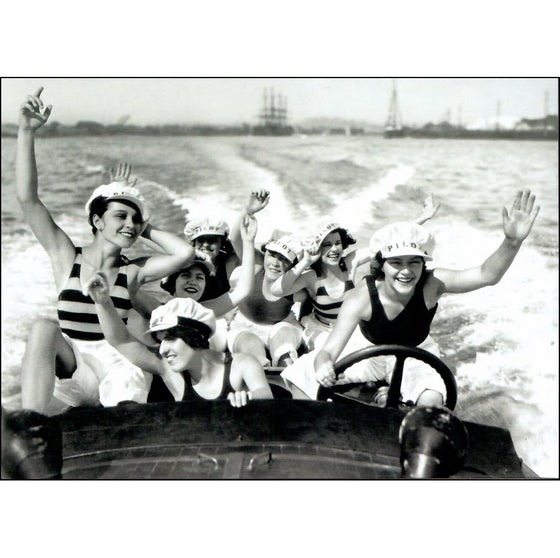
(239, 100)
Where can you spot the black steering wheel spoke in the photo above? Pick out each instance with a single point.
(394, 393)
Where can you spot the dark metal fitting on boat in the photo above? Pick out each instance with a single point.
(31, 446)
(433, 443)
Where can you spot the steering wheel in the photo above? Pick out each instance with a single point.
(401, 353)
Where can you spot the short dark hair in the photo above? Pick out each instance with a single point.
(376, 266)
(99, 206)
(168, 284)
(345, 238)
(194, 337)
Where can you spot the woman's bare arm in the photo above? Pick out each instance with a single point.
(115, 330)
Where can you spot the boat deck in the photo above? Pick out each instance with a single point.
(265, 440)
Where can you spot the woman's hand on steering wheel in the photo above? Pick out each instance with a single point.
(325, 374)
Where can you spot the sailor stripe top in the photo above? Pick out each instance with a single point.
(326, 307)
(76, 312)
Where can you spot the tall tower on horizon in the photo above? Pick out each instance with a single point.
(393, 126)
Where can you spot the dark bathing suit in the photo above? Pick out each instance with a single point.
(217, 285)
(262, 311)
(191, 395)
(409, 328)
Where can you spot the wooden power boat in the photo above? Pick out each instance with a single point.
(341, 436)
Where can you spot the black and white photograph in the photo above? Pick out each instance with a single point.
(304, 278)
(264, 160)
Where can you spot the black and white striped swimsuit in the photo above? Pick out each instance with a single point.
(76, 312)
(326, 307)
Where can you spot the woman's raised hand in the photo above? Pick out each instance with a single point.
(258, 200)
(311, 252)
(97, 287)
(122, 175)
(519, 221)
(430, 208)
(32, 113)
(248, 228)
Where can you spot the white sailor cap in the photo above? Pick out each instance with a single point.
(183, 312)
(206, 226)
(403, 239)
(116, 191)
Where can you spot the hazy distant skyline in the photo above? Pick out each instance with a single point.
(239, 100)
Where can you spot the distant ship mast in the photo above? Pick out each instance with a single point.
(273, 116)
(393, 126)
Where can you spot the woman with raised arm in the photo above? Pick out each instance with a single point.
(209, 238)
(69, 363)
(194, 280)
(397, 303)
(265, 325)
(191, 370)
(327, 274)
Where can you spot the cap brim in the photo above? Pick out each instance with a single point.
(275, 249)
(207, 233)
(407, 252)
(343, 233)
(141, 207)
(160, 327)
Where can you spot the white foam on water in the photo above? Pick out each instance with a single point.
(279, 214)
(28, 292)
(358, 208)
(516, 330)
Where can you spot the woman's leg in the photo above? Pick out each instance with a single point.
(47, 354)
(283, 342)
(296, 392)
(430, 398)
(248, 342)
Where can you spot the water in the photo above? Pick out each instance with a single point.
(501, 341)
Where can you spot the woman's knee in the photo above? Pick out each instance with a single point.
(285, 333)
(430, 398)
(45, 337)
(242, 340)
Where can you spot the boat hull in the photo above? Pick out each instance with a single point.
(266, 439)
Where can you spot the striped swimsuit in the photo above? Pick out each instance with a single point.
(103, 375)
(326, 307)
(76, 312)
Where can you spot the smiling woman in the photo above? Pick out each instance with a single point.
(397, 303)
(209, 238)
(70, 363)
(325, 274)
(189, 367)
(192, 281)
(402, 274)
